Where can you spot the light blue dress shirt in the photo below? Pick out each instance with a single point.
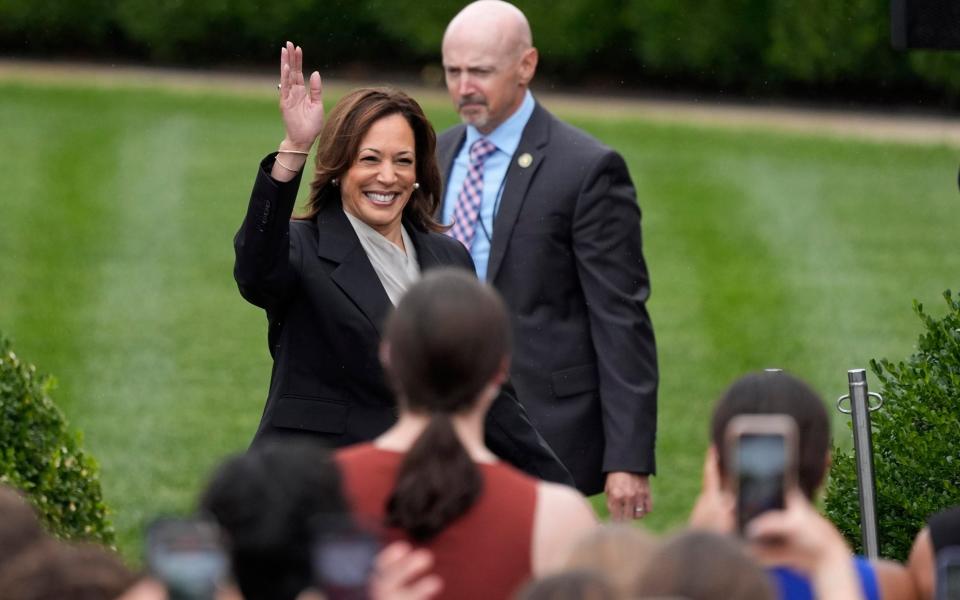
(506, 138)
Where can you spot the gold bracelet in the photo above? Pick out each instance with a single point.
(293, 152)
(277, 160)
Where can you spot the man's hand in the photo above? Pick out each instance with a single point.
(628, 495)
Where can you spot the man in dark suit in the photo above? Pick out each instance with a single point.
(551, 219)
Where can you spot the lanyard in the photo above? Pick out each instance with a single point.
(496, 208)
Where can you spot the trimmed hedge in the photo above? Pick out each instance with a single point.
(216, 31)
(711, 40)
(39, 455)
(826, 41)
(751, 46)
(915, 434)
(45, 26)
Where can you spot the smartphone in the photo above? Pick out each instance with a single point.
(343, 558)
(948, 573)
(762, 452)
(186, 555)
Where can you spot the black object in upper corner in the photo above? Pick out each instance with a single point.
(925, 24)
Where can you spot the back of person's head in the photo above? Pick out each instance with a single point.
(570, 585)
(776, 392)
(269, 502)
(445, 341)
(19, 525)
(702, 565)
(619, 552)
(53, 570)
(446, 345)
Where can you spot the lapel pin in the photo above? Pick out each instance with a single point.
(525, 160)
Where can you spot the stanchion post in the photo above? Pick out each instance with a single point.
(860, 410)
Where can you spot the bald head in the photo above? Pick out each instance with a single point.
(498, 21)
(489, 60)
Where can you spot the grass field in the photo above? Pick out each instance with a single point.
(118, 208)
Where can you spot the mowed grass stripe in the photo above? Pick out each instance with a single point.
(130, 309)
(137, 393)
(698, 205)
(170, 283)
(55, 228)
(54, 200)
(117, 254)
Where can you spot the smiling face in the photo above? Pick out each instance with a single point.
(378, 184)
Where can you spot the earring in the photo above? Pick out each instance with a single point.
(416, 185)
(335, 182)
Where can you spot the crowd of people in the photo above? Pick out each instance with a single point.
(443, 397)
(427, 511)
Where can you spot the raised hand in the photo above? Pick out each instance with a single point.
(301, 104)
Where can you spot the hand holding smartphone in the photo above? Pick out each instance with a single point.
(185, 554)
(948, 573)
(343, 558)
(762, 452)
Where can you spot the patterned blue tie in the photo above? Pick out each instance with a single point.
(467, 211)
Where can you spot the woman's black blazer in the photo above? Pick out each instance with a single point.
(326, 307)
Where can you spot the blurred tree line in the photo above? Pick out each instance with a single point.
(754, 47)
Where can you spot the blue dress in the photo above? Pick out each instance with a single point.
(791, 585)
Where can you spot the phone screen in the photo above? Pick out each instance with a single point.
(185, 554)
(343, 563)
(761, 463)
(948, 573)
(952, 583)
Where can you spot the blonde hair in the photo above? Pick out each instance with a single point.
(618, 552)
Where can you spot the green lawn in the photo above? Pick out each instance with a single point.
(119, 208)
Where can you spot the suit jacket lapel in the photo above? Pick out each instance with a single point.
(354, 275)
(445, 155)
(425, 255)
(518, 178)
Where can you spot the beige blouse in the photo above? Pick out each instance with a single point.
(396, 269)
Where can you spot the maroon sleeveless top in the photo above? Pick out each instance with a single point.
(485, 553)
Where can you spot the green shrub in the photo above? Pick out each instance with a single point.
(577, 36)
(823, 41)
(709, 40)
(939, 70)
(754, 47)
(915, 434)
(36, 26)
(40, 456)
(332, 32)
(416, 27)
(572, 35)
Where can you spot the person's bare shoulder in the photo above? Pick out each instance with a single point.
(563, 516)
(894, 580)
(565, 500)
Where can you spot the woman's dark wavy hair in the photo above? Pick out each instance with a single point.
(339, 145)
(446, 340)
